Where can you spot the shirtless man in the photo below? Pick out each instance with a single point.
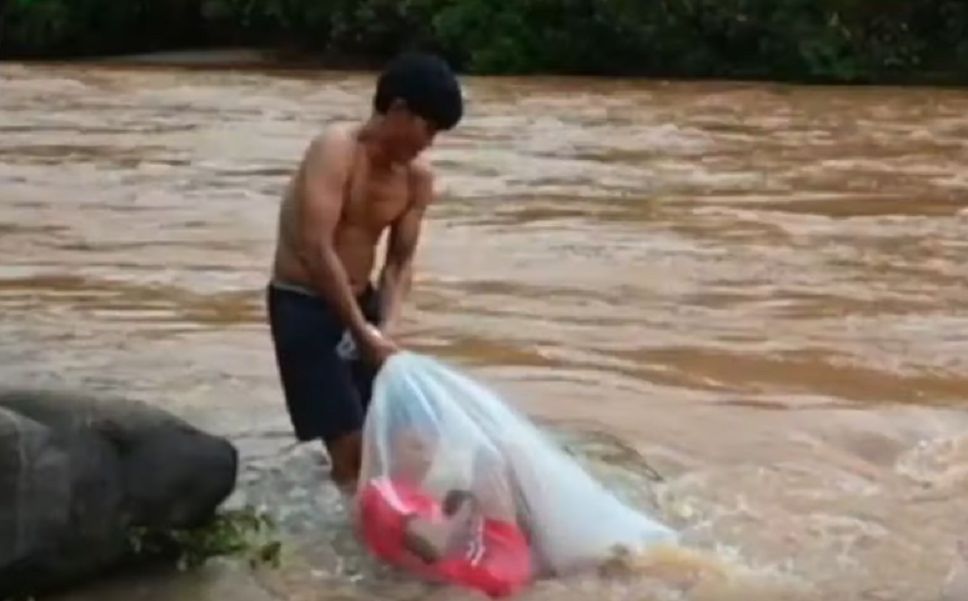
(354, 183)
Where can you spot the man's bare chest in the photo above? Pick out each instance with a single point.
(375, 204)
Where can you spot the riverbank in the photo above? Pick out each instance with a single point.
(237, 58)
(829, 41)
(287, 62)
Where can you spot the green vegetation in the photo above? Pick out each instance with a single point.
(243, 533)
(819, 40)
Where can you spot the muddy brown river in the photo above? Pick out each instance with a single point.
(756, 291)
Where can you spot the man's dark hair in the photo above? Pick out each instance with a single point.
(426, 84)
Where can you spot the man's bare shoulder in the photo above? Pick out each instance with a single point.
(334, 145)
(421, 170)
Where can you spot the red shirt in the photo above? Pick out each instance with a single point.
(496, 560)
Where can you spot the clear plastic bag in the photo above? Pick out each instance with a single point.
(458, 486)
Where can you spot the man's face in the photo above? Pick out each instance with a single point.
(409, 134)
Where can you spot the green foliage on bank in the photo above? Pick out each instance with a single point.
(830, 40)
(241, 534)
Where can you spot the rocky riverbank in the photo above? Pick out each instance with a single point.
(81, 475)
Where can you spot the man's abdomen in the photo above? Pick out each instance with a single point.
(289, 268)
(357, 252)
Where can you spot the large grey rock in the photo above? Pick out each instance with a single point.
(77, 473)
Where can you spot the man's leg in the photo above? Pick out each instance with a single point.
(363, 372)
(319, 390)
(345, 453)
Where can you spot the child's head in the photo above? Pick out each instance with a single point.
(413, 453)
(413, 441)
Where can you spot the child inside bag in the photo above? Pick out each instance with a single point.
(457, 486)
(466, 538)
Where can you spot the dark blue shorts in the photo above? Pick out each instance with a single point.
(326, 395)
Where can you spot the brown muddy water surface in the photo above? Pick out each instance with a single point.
(759, 291)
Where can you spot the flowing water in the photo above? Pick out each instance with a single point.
(756, 292)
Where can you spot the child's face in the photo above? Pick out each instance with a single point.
(413, 454)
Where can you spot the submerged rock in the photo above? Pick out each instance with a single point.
(78, 473)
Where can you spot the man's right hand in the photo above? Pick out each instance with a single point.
(376, 347)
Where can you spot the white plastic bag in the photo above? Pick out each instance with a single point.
(432, 430)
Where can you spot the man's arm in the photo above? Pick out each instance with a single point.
(397, 272)
(325, 170)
